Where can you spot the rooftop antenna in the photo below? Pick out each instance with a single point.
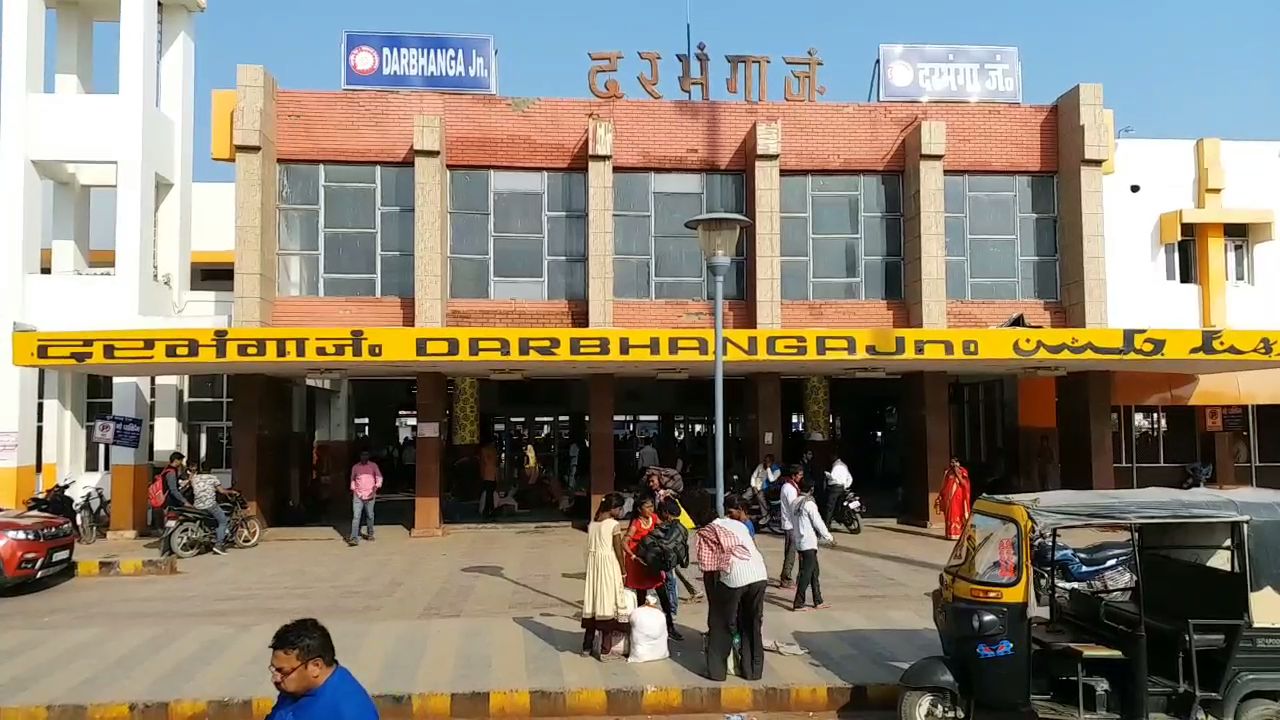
(875, 81)
(688, 40)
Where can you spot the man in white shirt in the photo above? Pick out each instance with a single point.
(765, 474)
(736, 578)
(839, 482)
(786, 506)
(809, 530)
(648, 456)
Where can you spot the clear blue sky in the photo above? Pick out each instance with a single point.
(1172, 68)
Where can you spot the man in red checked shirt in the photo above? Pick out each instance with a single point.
(366, 481)
(735, 576)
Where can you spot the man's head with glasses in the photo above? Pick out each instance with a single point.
(302, 656)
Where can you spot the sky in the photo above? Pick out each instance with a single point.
(1163, 65)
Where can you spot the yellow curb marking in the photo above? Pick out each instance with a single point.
(87, 568)
(131, 567)
(260, 706)
(661, 701)
(509, 703)
(24, 713)
(432, 705)
(589, 703)
(109, 711)
(811, 699)
(736, 699)
(188, 710)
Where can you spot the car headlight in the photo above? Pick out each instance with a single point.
(22, 534)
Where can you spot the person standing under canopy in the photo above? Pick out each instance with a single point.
(953, 501)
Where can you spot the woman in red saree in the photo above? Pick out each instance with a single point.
(953, 501)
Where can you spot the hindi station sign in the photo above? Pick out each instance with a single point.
(119, 430)
(950, 73)
(747, 76)
(419, 61)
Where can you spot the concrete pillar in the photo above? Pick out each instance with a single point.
(1084, 431)
(465, 418)
(924, 244)
(261, 408)
(69, 244)
(600, 223)
(765, 182)
(926, 428)
(600, 407)
(254, 135)
(137, 182)
(433, 397)
(177, 102)
(430, 222)
(1084, 144)
(169, 436)
(765, 418)
(817, 408)
(131, 469)
(73, 58)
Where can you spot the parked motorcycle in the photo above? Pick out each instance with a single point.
(1105, 568)
(188, 531)
(1197, 475)
(54, 501)
(848, 512)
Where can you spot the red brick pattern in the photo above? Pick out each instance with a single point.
(844, 314)
(989, 313)
(342, 312)
(482, 131)
(679, 314)
(516, 313)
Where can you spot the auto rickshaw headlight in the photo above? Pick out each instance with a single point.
(984, 623)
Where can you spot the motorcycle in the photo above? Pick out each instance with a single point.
(1197, 475)
(93, 515)
(188, 531)
(55, 501)
(1105, 568)
(848, 512)
(764, 508)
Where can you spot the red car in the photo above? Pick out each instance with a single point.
(33, 545)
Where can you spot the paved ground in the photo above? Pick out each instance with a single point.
(475, 610)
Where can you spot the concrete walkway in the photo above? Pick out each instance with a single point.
(473, 611)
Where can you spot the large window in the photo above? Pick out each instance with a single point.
(1154, 435)
(346, 230)
(841, 237)
(1001, 237)
(517, 235)
(209, 421)
(654, 254)
(1237, 248)
(98, 389)
(1180, 257)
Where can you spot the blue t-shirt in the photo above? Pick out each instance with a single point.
(341, 697)
(751, 527)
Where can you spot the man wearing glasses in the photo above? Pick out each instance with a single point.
(305, 669)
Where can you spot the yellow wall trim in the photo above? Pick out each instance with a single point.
(223, 112)
(17, 483)
(213, 257)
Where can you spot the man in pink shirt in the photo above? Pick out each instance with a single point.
(366, 480)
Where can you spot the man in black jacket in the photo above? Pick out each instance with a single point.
(667, 549)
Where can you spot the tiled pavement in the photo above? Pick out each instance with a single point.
(479, 610)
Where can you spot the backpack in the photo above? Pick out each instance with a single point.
(156, 492)
(665, 548)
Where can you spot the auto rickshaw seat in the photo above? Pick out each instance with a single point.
(1101, 553)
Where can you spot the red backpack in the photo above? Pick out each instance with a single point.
(156, 492)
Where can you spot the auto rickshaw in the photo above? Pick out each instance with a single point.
(1182, 620)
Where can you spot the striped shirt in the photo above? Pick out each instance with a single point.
(742, 572)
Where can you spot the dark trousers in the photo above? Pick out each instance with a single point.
(663, 599)
(834, 493)
(729, 609)
(788, 556)
(809, 574)
(487, 499)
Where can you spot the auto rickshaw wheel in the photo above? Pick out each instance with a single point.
(928, 705)
(1258, 709)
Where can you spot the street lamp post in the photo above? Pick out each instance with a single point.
(718, 235)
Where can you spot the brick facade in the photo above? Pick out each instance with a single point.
(516, 313)
(846, 314)
(989, 313)
(342, 312)
(679, 314)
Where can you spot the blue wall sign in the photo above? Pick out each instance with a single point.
(128, 431)
(409, 61)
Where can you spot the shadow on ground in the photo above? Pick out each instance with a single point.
(846, 653)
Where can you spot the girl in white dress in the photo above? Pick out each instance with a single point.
(606, 603)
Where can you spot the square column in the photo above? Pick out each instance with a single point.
(926, 427)
(924, 244)
(600, 224)
(168, 425)
(254, 135)
(1084, 144)
(17, 431)
(764, 418)
(765, 205)
(1084, 431)
(131, 469)
(430, 222)
(433, 398)
(600, 407)
(69, 253)
(63, 434)
(177, 78)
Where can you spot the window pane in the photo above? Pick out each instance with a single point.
(299, 184)
(835, 214)
(468, 278)
(98, 387)
(957, 280)
(299, 230)
(996, 259)
(631, 279)
(677, 258)
(397, 276)
(725, 193)
(468, 234)
(670, 212)
(203, 411)
(516, 181)
(517, 258)
(350, 287)
(883, 279)
(631, 235)
(1040, 279)
(1268, 420)
(1171, 263)
(349, 208)
(883, 237)
(835, 258)
(567, 236)
(349, 173)
(206, 387)
(397, 231)
(677, 183)
(567, 192)
(397, 186)
(795, 237)
(953, 192)
(835, 291)
(836, 183)
(955, 237)
(350, 254)
(517, 289)
(1036, 194)
(734, 282)
(631, 192)
(1180, 435)
(882, 194)
(677, 290)
(795, 194)
(517, 213)
(992, 215)
(991, 183)
(1187, 261)
(469, 190)
(566, 280)
(1038, 236)
(993, 290)
(795, 280)
(298, 275)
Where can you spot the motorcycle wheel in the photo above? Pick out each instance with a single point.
(248, 532)
(854, 524)
(88, 527)
(185, 540)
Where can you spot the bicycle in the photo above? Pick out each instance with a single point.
(93, 521)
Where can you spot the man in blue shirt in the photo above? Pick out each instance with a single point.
(312, 685)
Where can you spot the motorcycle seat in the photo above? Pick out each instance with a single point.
(1103, 553)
